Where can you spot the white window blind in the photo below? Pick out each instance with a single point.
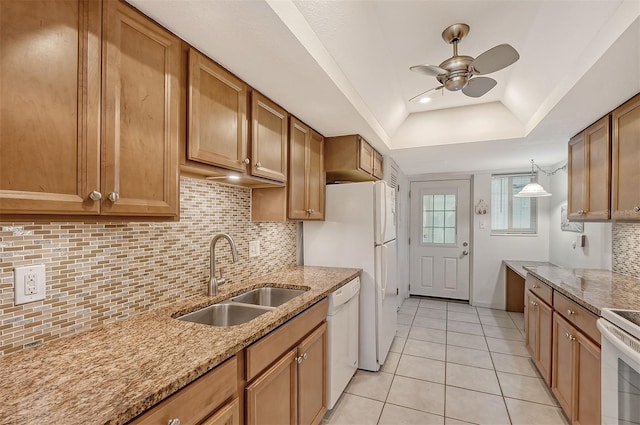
(510, 215)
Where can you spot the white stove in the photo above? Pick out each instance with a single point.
(620, 331)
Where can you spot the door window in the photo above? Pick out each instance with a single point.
(439, 219)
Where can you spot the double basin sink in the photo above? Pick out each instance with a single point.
(242, 308)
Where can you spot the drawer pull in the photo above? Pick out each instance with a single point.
(175, 421)
(536, 286)
(95, 195)
(636, 209)
(114, 196)
(571, 312)
(569, 336)
(533, 303)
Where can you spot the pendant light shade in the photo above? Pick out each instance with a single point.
(533, 189)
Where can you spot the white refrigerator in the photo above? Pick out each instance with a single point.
(359, 231)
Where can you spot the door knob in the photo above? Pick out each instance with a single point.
(465, 252)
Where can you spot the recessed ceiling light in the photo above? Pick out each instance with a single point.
(425, 100)
(234, 177)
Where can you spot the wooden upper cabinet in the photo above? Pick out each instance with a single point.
(626, 157)
(351, 158)
(269, 131)
(140, 110)
(217, 133)
(316, 183)
(50, 106)
(590, 172)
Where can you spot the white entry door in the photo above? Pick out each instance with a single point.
(439, 247)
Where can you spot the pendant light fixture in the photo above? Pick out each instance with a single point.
(534, 189)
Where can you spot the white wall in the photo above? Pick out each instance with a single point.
(488, 251)
(596, 253)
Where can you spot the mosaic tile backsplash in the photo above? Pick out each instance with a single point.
(101, 272)
(626, 249)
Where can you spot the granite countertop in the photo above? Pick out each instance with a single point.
(593, 289)
(519, 266)
(113, 373)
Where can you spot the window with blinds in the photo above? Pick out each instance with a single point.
(511, 215)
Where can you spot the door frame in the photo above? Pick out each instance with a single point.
(427, 178)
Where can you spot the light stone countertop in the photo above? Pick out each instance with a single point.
(518, 266)
(591, 288)
(110, 374)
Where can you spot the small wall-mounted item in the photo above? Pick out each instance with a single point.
(481, 207)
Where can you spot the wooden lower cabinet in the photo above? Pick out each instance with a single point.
(227, 415)
(312, 377)
(538, 323)
(576, 372)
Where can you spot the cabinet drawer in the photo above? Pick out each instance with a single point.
(268, 349)
(577, 315)
(198, 399)
(542, 290)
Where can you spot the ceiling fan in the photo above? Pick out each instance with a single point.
(459, 71)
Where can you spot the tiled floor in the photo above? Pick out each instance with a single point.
(451, 363)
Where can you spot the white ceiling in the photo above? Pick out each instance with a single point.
(342, 67)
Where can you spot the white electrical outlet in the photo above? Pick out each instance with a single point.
(30, 283)
(254, 249)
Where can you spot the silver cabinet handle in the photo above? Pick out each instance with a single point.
(304, 356)
(258, 165)
(569, 336)
(95, 195)
(465, 252)
(175, 421)
(636, 209)
(536, 286)
(114, 196)
(310, 211)
(299, 359)
(534, 303)
(571, 312)
(246, 161)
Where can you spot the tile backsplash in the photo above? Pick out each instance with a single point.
(101, 272)
(626, 248)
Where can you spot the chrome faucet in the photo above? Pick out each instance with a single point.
(213, 280)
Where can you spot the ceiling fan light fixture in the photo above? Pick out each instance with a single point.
(456, 82)
(425, 99)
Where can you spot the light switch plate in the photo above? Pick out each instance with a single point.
(254, 249)
(30, 283)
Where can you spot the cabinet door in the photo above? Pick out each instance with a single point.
(50, 106)
(598, 142)
(586, 397)
(577, 177)
(227, 415)
(563, 363)
(299, 134)
(530, 323)
(141, 95)
(378, 171)
(365, 158)
(217, 115)
(315, 177)
(268, 139)
(545, 340)
(312, 377)
(626, 156)
(272, 397)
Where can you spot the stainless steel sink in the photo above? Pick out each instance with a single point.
(226, 314)
(268, 296)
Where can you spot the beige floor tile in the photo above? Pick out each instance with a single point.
(524, 412)
(398, 415)
(503, 333)
(469, 357)
(373, 385)
(503, 322)
(440, 305)
(525, 388)
(391, 362)
(417, 394)
(482, 311)
(408, 309)
(427, 322)
(464, 327)
(405, 319)
(402, 330)
(430, 350)
(472, 378)
(513, 364)
(411, 301)
(504, 346)
(431, 313)
(467, 341)
(427, 334)
(352, 409)
(461, 308)
(475, 407)
(451, 421)
(398, 344)
(421, 368)
(463, 317)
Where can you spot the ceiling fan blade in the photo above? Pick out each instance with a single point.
(494, 59)
(424, 92)
(430, 70)
(479, 86)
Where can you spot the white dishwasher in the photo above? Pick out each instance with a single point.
(342, 322)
